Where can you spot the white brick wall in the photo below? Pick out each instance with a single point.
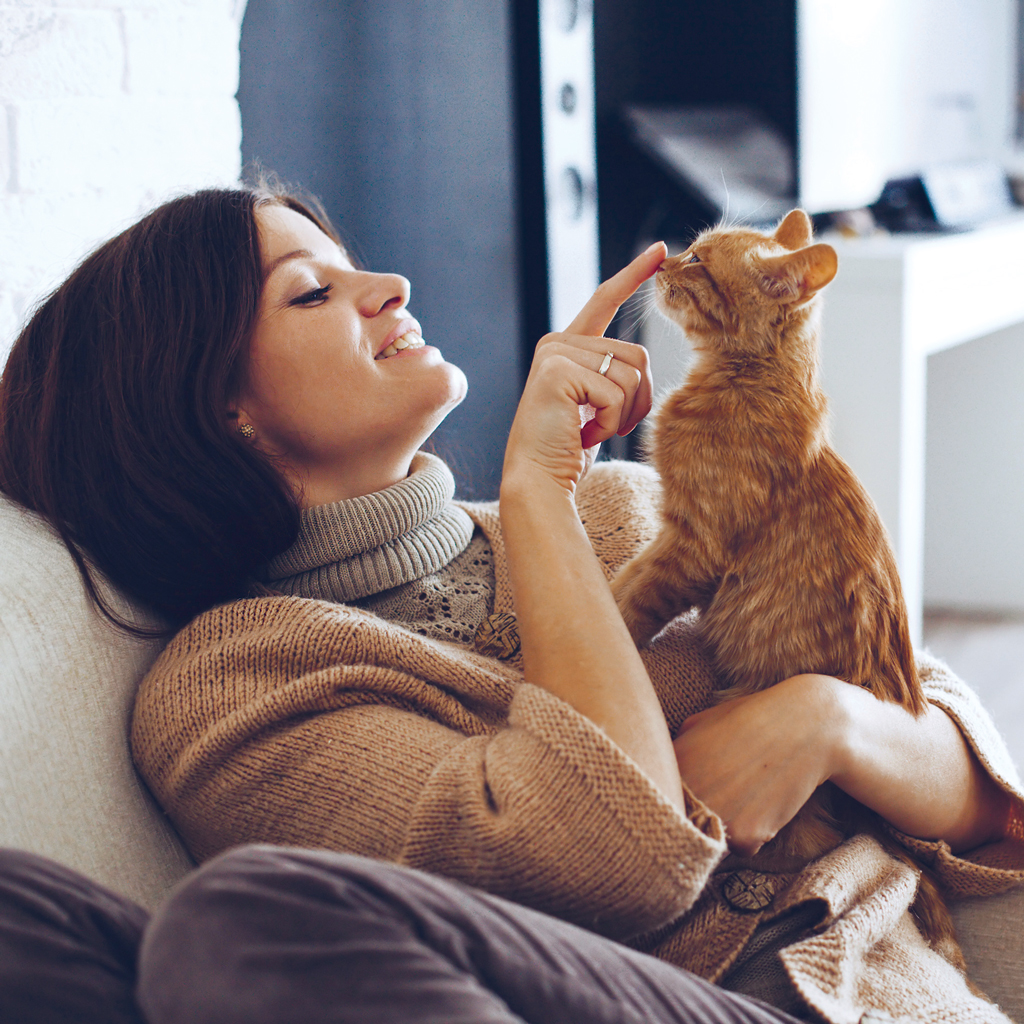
(107, 107)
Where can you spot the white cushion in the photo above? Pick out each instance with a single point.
(67, 680)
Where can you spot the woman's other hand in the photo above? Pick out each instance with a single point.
(550, 434)
(756, 759)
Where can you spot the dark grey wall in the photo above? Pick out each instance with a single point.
(400, 116)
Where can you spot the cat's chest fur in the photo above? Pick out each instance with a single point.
(735, 440)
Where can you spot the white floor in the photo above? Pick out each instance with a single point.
(988, 653)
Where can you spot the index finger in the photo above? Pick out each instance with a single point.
(597, 314)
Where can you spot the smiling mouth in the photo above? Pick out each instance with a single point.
(408, 340)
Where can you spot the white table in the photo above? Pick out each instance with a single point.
(895, 302)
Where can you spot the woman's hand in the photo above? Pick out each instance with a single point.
(574, 641)
(755, 761)
(551, 434)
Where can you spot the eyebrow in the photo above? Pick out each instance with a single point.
(295, 254)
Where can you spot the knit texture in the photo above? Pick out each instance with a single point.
(407, 554)
(349, 549)
(448, 604)
(307, 723)
(759, 971)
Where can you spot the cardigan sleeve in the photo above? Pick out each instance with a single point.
(242, 740)
(995, 867)
(551, 813)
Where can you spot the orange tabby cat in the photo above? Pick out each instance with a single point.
(765, 529)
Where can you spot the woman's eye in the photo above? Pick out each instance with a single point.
(313, 298)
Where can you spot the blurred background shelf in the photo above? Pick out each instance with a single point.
(923, 362)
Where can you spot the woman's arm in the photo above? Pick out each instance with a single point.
(574, 642)
(275, 721)
(917, 772)
(757, 759)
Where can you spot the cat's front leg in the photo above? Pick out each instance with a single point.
(655, 586)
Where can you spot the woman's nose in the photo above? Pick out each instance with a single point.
(384, 291)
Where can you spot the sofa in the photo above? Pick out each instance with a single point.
(68, 789)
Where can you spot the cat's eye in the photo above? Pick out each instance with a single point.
(694, 258)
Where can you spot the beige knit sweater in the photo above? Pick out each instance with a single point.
(302, 722)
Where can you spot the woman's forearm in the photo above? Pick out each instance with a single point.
(755, 761)
(918, 773)
(574, 642)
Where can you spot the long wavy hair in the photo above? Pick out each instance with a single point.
(114, 409)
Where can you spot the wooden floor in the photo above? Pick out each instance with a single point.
(988, 653)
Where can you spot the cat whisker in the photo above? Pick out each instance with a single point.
(633, 325)
(754, 213)
(643, 296)
(639, 302)
(637, 298)
(725, 222)
(632, 314)
(640, 312)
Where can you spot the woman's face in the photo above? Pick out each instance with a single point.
(341, 390)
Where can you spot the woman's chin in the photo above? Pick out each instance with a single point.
(448, 389)
(460, 386)
(447, 392)
(456, 398)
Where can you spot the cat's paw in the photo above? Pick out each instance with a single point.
(642, 626)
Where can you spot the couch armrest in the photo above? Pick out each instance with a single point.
(991, 932)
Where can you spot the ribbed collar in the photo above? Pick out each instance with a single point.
(349, 549)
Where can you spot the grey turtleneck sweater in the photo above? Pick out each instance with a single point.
(405, 553)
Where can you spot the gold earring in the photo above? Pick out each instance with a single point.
(246, 430)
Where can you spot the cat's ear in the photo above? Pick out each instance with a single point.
(798, 275)
(794, 231)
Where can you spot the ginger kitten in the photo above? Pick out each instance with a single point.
(765, 529)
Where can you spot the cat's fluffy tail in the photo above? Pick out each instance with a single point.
(882, 649)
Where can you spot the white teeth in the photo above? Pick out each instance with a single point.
(408, 340)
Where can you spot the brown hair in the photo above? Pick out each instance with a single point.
(113, 409)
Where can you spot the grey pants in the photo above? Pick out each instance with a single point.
(264, 935)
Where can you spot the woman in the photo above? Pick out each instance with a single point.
(223, 394)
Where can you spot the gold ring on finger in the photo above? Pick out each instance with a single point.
(608, 357)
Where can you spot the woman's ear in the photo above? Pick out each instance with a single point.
(796, 276)
(241, 424)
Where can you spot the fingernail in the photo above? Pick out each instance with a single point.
(652, 247)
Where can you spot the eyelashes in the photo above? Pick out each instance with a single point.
(313, 298)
